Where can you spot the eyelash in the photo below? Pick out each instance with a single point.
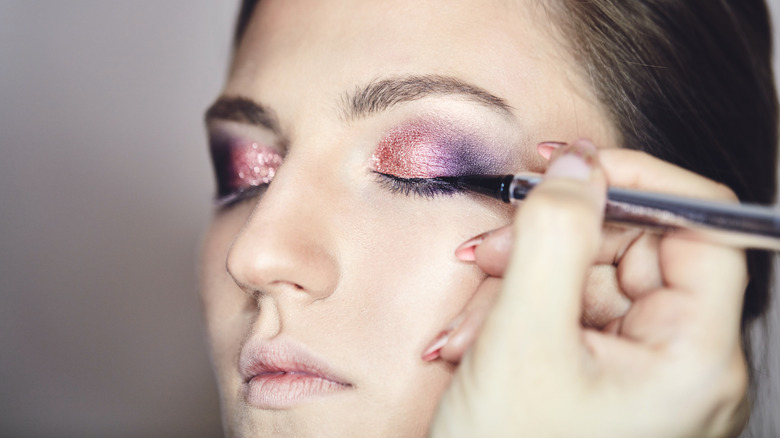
(242, 170)
(239, 196)
(424, 187)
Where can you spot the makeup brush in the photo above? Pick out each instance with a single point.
(733, 224)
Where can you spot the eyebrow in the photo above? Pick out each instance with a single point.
(381, 95)
(375, 97)
(243, 110)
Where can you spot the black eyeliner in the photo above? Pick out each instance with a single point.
(733, 224)
(425, 187)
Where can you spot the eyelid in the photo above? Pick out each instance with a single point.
(242, 167)
(239, 196)
(424, 187)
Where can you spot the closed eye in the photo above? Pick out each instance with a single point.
(425, 187)
(238, 196)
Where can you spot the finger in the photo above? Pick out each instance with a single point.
(616, 240)
(636, 169)
(557, 234)
(466, 329)
(493, 254)
(603, 301)
(714, 275)
(490, 251)
(638, 269)
(625, 268)
(611, 288)
(633, 251)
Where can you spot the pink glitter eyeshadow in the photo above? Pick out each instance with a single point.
(430, 148)
(416, 150)
(241, 164)
(254, 165)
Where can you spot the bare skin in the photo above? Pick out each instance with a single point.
(329, 262)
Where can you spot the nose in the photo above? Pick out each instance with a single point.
(284, 247)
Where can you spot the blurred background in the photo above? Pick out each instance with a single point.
(104, 193)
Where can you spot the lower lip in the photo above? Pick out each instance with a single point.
(286, 390)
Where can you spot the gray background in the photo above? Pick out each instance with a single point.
(104, 191)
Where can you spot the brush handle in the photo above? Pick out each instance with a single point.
(733, 224)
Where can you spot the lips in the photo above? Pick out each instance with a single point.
(282, 375)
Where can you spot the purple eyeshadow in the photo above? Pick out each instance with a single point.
(430, 149)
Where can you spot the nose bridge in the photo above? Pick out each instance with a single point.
(285, 245)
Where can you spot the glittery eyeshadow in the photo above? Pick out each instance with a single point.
(241, 164)
(429, 149)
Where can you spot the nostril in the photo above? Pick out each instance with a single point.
(288, 285)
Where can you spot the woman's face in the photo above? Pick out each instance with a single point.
(322, 290)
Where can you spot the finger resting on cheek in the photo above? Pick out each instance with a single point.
(466, 330)
(493, 253)
(461, 339)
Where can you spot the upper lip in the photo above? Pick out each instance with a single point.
(273, 357)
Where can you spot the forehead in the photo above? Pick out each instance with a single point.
(345, 39)
(297, 54)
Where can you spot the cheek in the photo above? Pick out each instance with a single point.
(404, 302)
(407, 284)
(407, 281)
(421, 282)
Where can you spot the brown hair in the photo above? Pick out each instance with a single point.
(688, 81)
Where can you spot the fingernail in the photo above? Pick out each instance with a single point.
(575, 161)
(466, 251)
(546, 148)
(434, 349)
